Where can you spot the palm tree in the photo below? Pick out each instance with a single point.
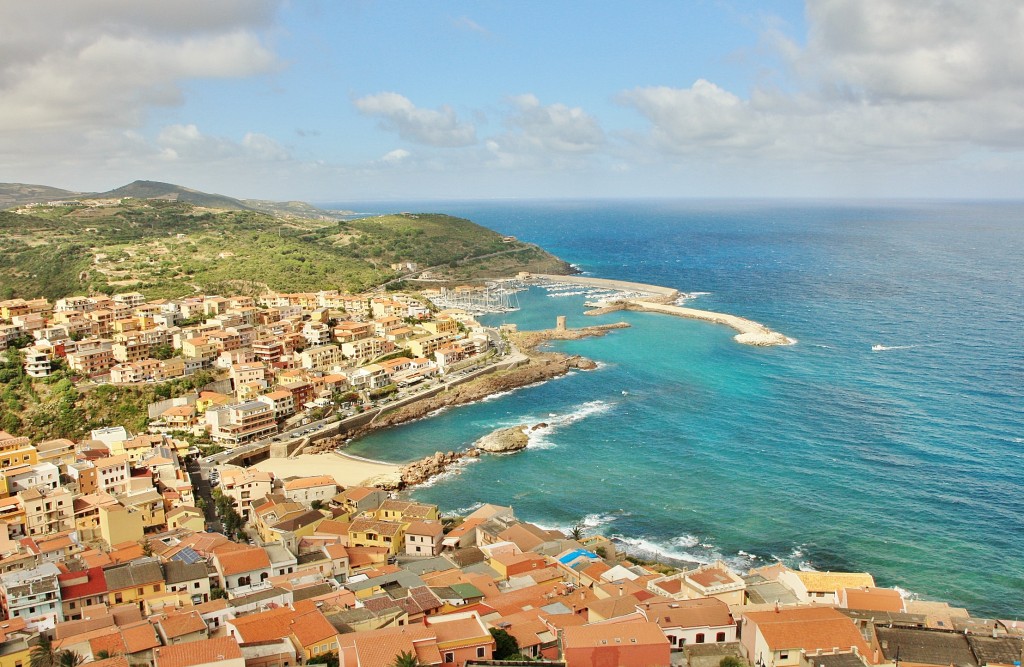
(69, 658)
(102, 654)
(406, 659)
(42, 654)
(576, 532)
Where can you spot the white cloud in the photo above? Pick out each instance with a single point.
(879, 81)
(468, 24)
(396, 113)
(396, 156)
(556, 127)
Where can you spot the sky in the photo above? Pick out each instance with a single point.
(336, 100)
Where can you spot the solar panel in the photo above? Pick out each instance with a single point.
(188, 556)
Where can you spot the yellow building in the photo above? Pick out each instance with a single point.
(190, 518)
(119, 524)
(16, 451)
(14, 648)
(406, 511)
(373, 533)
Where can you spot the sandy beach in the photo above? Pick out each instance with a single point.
(346, 470)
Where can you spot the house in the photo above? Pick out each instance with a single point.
(687, 622)
(423, 538)
(47, 511)
(242, 568)
(32, 595)
(871, 599)
(187, 517)
(712, 580)
(82, 591)
(461, 637)
(135, 582)
(181, 627)
(306, 490)
(823, 587)
(237, 424)
(218, 652)
(629, 644)
(244, 485)
(372, 533)
(189, 579)
(777, 638)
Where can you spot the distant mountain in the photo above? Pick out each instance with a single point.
(19, 194)
(171, 192)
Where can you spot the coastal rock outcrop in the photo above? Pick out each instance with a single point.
(500, 441)
(504, 440)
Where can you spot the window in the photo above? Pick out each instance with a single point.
(195, 585)
(156, 588)
(699, 638)
(720, 637)
(784, 656)
(71, 604)
(449, 657)
(481, 652)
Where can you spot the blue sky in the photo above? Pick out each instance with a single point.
(327, 101)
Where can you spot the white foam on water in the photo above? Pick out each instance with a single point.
(906, 594)
(453, 470)
(538, 437)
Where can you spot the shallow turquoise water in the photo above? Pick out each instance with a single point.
(905, 462)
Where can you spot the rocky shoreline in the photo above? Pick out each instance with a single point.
(540, 367)
(501, 441)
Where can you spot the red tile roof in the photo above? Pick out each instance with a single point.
(95, 584)
(202, 652)
(242, 560)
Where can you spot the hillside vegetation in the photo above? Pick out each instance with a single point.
(166, 247)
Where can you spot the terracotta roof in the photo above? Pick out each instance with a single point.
(808, 628)
(606, 635)
(265, 626)
(312, 627)
(458, 631)
(309, 482)
(201, 652)
(874, 599)
(702, 612)
(178, 625)
(112, 643)
(378, 648)
(140, 637)
(114, 661)
(429, 528)
(670, 585)
(243, 560)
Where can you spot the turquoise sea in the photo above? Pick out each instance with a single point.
(905, 462)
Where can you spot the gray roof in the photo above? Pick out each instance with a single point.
(996, 650)
(401, 578)
(482, 568)
(136, 573)
(177, 571)
(836, 660)
(770, 592)
(258, 596)
(313, 591)
(928, 647)
(436, 564)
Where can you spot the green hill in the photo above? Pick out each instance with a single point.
(171, 192)
(19, 194)
(158, 243)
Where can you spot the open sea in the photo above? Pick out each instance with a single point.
(905, 462)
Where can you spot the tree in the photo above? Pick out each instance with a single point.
(102, 654)
(216, 593)
(69, 658)
(406, 659)
(504, 644)
(329, 659)
(43, 654)
(730, 661)
(576, 532)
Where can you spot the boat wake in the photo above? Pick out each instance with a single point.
(886, 348)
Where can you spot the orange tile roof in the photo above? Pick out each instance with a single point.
(242, 560)
(312, 628)
(378, 648)
(874, 599)
(309, 482)
(112, 642)
(670, 585)
(808, 628)
(709, 612)
(264, 626)
(139, 637)
(180, 624)
(624, 634)
(458, 632)
(202, 652)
